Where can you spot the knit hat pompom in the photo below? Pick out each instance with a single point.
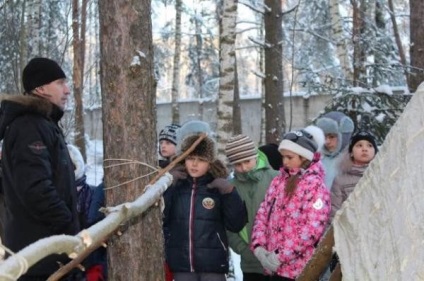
(169, 133)
(240, 148)
(77, 160)
(362, 136)
(304, 142)
(39, 72)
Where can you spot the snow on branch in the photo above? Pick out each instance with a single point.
(290, 10)
(17, 264)
(254, 8)
(81, 245)
(260, 43)
(259, 74)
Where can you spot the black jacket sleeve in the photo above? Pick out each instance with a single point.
(234, 211)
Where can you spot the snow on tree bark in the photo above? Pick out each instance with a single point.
(340, 40)
(275, 123)
(129, 127)
(176, 66)
(227, 73)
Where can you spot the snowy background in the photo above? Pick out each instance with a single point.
(94, 173)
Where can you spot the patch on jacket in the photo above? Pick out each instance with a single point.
(37, 147)
(318, 204)
(208, 203)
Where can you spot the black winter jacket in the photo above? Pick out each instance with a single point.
(38, 177)
(195, 220)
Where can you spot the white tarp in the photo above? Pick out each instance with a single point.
(379, 231)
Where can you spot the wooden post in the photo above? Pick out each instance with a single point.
(320, 259)
(336, 275)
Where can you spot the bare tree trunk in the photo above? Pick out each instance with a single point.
(340, 40)
(358, 28)
(199, 46)
(274, 88)
(78, 29)
(129, 128)
(176, 66)
(398, 41)
(237, 127)
(227, 60)
(262, 84)
(416, 8)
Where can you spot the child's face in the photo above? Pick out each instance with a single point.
(167, 148)
(291, 160)
(245, 166)
(363, 152)
(196, 166)
(331, 142)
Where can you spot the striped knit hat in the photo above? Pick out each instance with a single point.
(240, 148)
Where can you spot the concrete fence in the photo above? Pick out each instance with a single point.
(303, 110)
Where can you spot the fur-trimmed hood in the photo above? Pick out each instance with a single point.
(13, 106)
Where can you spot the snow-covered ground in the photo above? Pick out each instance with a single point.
(94, 173)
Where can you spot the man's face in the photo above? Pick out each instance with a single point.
(56, 92)
(331, 142)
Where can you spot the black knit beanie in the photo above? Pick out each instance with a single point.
(362, 136)
(39, 72)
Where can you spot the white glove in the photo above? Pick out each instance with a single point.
(273, 262)
(261, 254)
(269, 260)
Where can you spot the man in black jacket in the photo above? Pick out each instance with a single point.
(38, 175)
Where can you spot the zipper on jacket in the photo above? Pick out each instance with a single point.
(270, 209)
(222, 243)
(191, 226)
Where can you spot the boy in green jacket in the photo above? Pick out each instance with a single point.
(252, 176)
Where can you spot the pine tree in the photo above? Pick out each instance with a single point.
(374, 110)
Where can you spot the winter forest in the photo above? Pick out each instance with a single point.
(125, 57)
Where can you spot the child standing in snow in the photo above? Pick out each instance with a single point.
(338, 129)
(167, 144)
(200, 206)
(296, 209)
(362, 150)
(252, 176)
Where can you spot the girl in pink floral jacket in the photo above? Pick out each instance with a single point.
(296, 208)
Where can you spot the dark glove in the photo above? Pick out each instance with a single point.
(178, 173)
(222, 185)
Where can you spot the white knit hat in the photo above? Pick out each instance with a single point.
(304, 142)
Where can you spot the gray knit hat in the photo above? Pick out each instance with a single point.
(169, 133)
(240, 148)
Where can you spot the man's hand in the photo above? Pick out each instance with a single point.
(223, 185)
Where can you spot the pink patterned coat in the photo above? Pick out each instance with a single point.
(292, 226)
